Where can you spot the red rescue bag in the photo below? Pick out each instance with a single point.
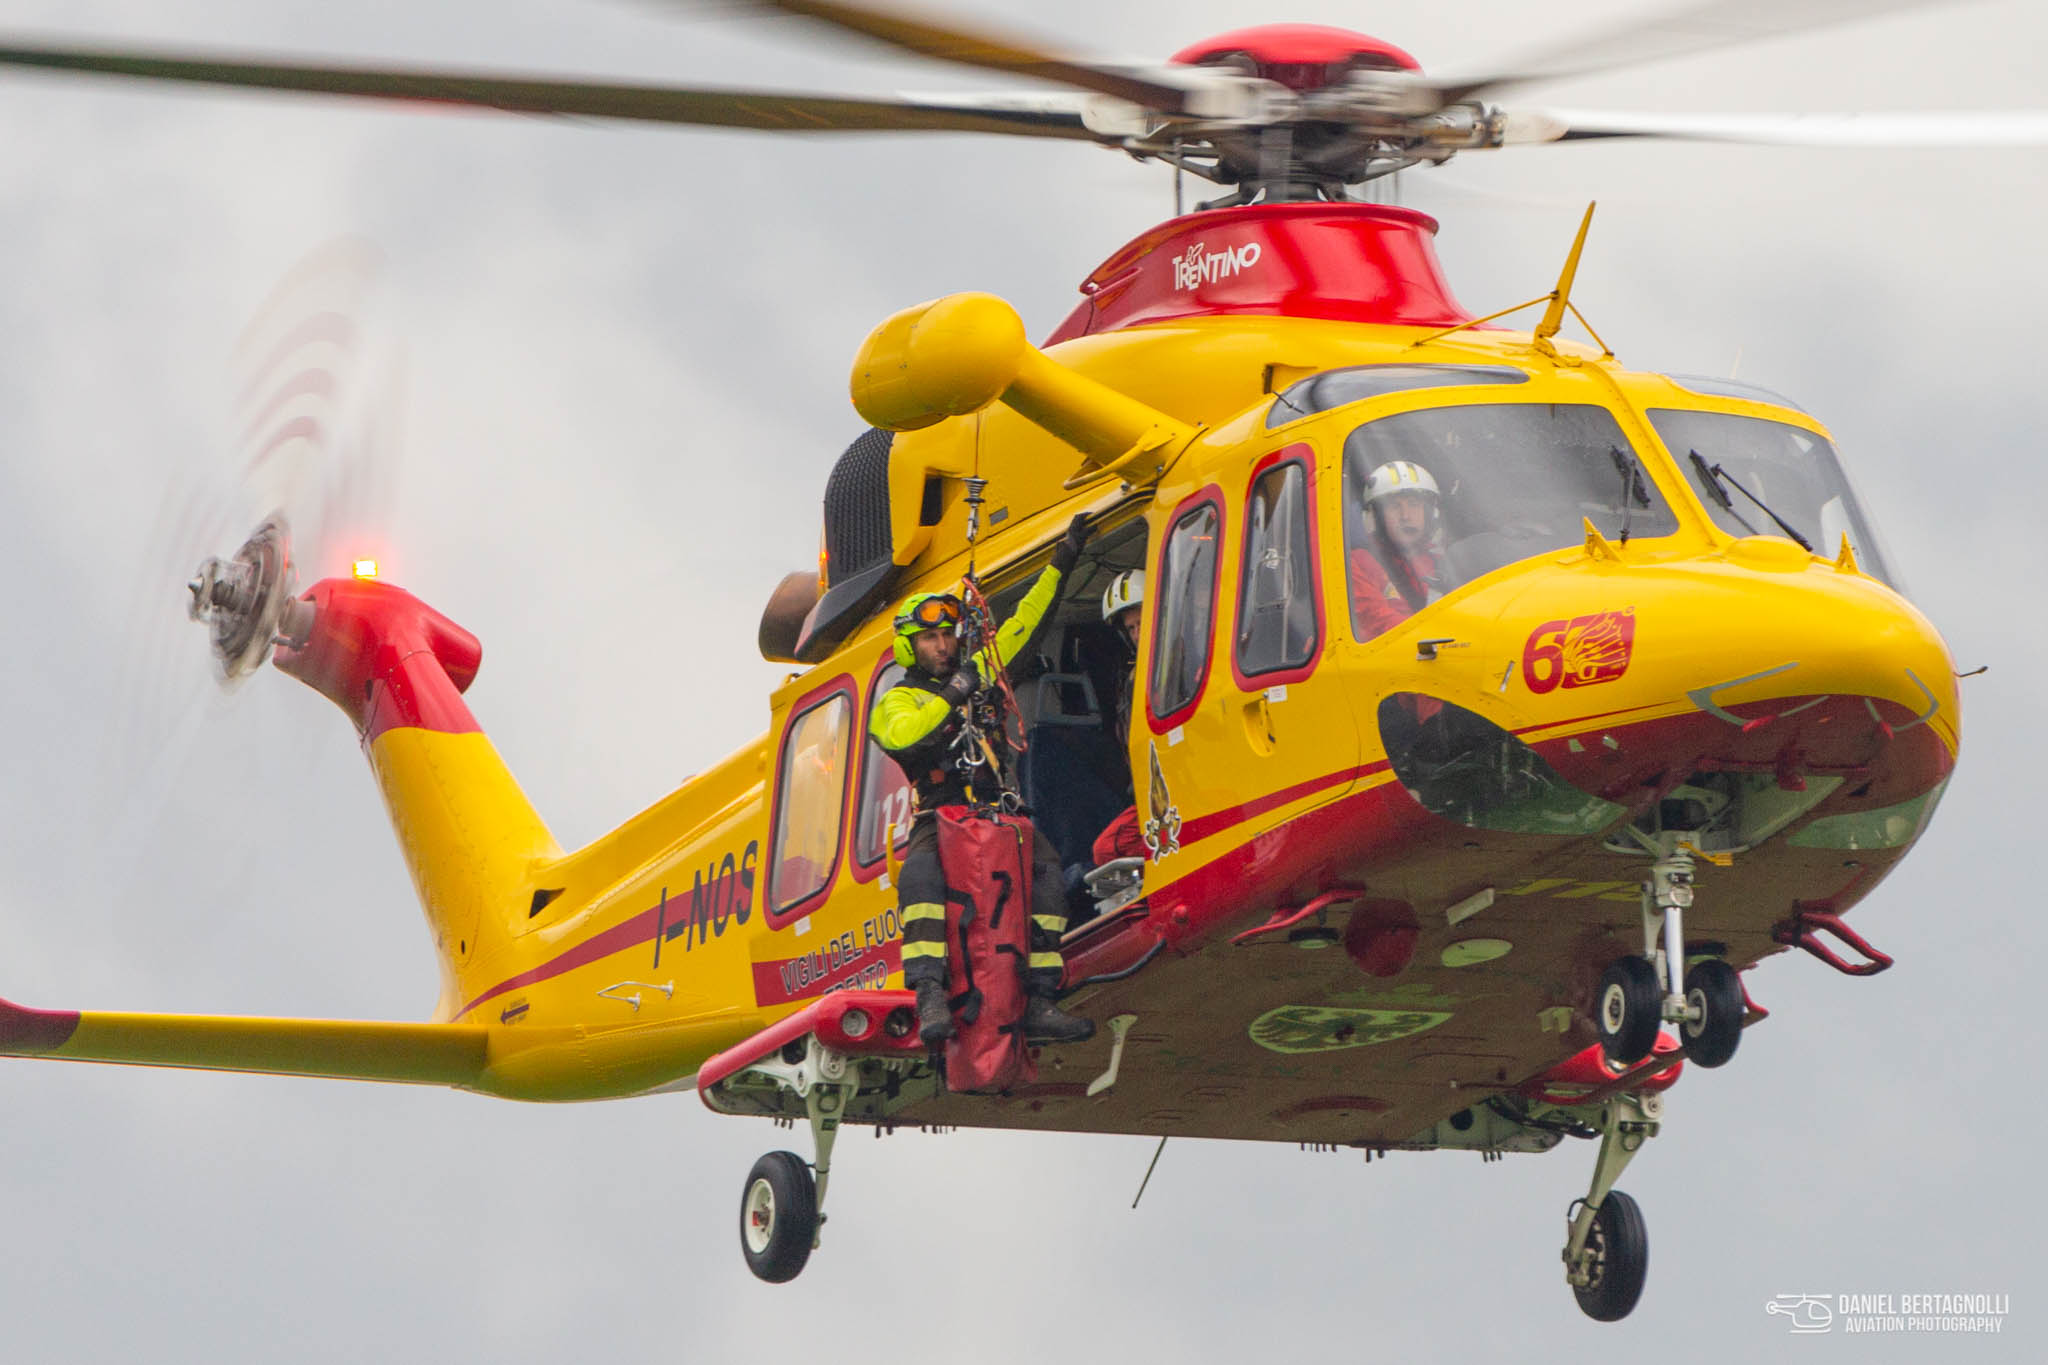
(987, 864)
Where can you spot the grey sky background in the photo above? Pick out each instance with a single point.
(624, 362)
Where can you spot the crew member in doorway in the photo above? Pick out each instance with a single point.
(1122, 606)
(1397, 568)
(917, 722)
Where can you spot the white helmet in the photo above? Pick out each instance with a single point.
(1399, 476)
(1125, 591)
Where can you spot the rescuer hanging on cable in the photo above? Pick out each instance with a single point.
(921, 722)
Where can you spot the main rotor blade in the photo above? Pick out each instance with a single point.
(1700, 27)
(1024, 115)
(1960, 128)
(985, 49)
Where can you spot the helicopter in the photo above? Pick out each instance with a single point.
(1177, 800)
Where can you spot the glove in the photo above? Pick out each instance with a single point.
(1068, 552)
(964, 683)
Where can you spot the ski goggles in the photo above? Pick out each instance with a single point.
(930, 613)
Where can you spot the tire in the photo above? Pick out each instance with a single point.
(1627, 1010)
(778, 1217)
(1714, 992)
(1618, 1260)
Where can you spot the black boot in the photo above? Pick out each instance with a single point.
(934, 1014)
(1045, 1022)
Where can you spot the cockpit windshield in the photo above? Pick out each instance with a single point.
(1789, 470)
(1437, 497)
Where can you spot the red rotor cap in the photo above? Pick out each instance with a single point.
(1298, 56)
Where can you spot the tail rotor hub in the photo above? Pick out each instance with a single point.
(243, 600)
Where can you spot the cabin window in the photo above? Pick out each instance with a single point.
(1186, 618)
(1792, 471)
(1462, 491)
(1276, 613)
(884, 790)
(810, 791)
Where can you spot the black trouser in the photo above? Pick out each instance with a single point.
(921, 896)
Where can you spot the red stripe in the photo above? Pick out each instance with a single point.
(645, 925)
(1206, 826)
(621, 936)
(1581, 720)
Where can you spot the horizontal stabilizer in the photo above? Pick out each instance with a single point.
(422, 1054)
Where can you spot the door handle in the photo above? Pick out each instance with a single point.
(1258, 724)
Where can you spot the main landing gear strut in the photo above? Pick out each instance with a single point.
(1639, 994)
(1607, 1249)
(782, 1207)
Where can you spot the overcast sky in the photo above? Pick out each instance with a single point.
(610, 381)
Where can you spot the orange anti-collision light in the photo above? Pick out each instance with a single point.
(364, 568)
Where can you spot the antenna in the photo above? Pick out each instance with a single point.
(1561, 297)
(1558, 299)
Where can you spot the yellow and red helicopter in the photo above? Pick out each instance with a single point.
(1442, 884)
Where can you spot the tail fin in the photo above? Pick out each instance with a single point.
(470, 838)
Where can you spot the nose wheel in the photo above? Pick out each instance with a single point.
(1637, 995)
(1714, 1009)
(1629, 1008)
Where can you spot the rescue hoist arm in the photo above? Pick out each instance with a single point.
(956, 355)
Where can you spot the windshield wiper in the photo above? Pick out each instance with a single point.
(1280, 399)
(1633, 494)
(1718, 481)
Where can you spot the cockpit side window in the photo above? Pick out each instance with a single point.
(1437, 497)
(1793, 472)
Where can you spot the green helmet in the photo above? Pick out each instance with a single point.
(919, 612)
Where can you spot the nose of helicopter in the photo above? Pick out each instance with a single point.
(1752, 636)
(1751, 669)
(1759, 659)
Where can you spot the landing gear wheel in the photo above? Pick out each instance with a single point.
(778, 1217)
(1627, 1010)
(1713, 996)
(1617, 1260)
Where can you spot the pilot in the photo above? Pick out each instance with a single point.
(917, 722)
(1396, 568)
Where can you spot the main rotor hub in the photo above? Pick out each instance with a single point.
(1321, 110)
(1302, 57)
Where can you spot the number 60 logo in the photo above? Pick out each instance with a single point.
(1580, 652)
